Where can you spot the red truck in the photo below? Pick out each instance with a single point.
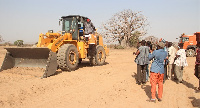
(189, 43)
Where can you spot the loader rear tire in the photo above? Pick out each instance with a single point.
(67, 57)
(100, 56)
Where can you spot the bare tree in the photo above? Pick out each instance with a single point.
(1, 39)
(122, 26)
(152, 39)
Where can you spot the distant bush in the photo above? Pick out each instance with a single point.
(118, 47)
(7, 44)
(19, 43)
(111, 46)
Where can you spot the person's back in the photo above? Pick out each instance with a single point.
(142, 57)
(181, 60)
(197, 66)
(157, 71)
(172, 54)
(142, 61)
(158, 63)
(198, 56)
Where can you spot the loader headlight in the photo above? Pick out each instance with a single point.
(50, 31)
(72, 31)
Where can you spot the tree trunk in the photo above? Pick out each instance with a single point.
(123, 43)
(128, 35)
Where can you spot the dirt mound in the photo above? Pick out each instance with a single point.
(35, 72)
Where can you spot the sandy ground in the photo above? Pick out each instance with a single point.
(112, 85)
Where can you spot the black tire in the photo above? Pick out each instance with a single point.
(93, 62)
(67, 57)
(100, 56)
(80, 60)
(190, 53)
(92, 53)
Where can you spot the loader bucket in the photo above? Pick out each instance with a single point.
(31, 57)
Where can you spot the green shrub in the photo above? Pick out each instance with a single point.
(19, 43)
(118, 47)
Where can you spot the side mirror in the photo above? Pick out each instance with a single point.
(60, 21)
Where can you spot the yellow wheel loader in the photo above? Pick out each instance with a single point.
(62, 50)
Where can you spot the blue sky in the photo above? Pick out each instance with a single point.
(26, 19)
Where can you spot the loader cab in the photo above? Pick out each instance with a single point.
(69, 25)
(73, 24)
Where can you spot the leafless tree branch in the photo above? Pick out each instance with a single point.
(1, 39)
(123, 24)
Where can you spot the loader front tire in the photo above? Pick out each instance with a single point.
(67, 57)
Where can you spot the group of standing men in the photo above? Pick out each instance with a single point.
(164, 54)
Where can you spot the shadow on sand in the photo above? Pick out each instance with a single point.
(195, 102)
(80, 65)
(189, 85)
(147, 89)
(134, 76)
(87, 64)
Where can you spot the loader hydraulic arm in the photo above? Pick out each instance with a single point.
(53, 40)
(46, 39)
(59, 41)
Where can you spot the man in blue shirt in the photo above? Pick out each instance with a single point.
(157, 71)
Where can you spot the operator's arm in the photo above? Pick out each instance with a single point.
(93, 27)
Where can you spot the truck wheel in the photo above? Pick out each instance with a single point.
(67, 57)
(100, 56)
(190, 53)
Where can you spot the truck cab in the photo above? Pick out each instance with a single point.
(189, 44)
